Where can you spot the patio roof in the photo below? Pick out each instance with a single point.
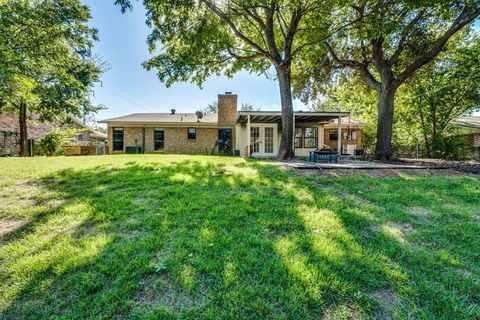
(300, 116)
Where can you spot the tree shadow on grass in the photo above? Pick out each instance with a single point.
(201, 240)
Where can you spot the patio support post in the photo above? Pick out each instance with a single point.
(339, 140)
(293, 136)
(248, 135)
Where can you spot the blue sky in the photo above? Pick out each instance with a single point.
(128, 88)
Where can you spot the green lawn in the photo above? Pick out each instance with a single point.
(160, 237)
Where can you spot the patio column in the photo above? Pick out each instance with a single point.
(248, 135)
(293, 142)
(339, 141)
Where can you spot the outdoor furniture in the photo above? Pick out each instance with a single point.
(323, 155)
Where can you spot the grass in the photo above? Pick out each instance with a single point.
(191, 237)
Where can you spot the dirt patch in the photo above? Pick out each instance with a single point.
(403, 226)
(421, 213)
(139, 199)
(160, 290)
(342, 312)
(8, 225)
(395, 230)
(388, 302)
(465, 272)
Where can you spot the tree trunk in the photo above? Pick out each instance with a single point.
(383, 149)
(22, 117)
(286, 151)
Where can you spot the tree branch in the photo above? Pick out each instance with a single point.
(270, 35)
(234, 29)
(396, 55)
(462, 20)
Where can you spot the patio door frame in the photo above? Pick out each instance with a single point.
(261, 127)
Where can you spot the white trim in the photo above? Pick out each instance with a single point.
(262, 127)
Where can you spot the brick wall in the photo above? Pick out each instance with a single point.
(13, 145)
(176, 140)
(227, 110)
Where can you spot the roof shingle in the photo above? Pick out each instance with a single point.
(164, 118)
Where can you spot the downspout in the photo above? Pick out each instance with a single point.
(143, 140)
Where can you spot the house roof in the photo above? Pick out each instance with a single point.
(35, 127)
(93, 133)
(468, 122)
(164, 118)
(38, 128)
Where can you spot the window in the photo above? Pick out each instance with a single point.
(333, 134)
(268, 139)
(349, 134)
(117, 139)
(79, 136)
(158, 139)
(192, 133)
(255, 139)
(311, 137)
(298, 138)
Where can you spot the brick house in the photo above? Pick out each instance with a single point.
(469, 128)
(255, 133)
(37, 129)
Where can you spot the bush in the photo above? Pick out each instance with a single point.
(450, 148)
(53, 142)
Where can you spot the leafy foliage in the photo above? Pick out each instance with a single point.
(444, 91)
(44, 57)
(210, 108)
(387, 44)
(207, 37)
(53, 143)
(246, 106)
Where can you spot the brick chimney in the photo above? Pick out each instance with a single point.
(227, 109)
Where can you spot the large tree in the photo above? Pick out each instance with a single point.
(444, 91)
(208, 37)
(45, 65)
(389, 42)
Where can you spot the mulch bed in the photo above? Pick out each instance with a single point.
(468, 167)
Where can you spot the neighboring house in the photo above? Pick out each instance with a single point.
(255, 133)
(37, 129)
(470, 128)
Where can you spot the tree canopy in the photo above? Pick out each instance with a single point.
(45, 61)
(444, 91)
(387, 44)
(207, 37)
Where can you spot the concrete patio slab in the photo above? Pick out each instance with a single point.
(348, 164)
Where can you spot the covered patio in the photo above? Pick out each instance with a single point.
(259, 132)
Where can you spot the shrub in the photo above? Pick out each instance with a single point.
(53, 143)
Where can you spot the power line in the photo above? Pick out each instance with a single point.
(131, 101)
(135, 97)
